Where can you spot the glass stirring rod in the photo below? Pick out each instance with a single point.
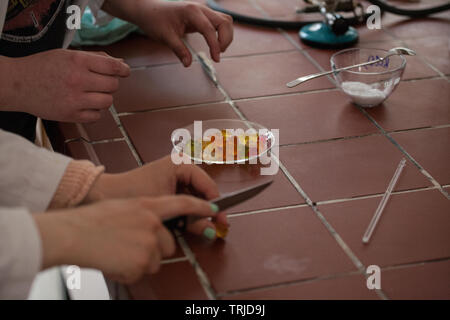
(384, 200)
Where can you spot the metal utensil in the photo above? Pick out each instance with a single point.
(226, 201)
(391, 52)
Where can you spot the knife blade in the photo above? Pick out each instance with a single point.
(224, 202)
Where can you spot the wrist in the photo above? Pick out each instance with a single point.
(104, 187)
(57, 238)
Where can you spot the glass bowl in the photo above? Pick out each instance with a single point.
(367, 86)
(262, 140)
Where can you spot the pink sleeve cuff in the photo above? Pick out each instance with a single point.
(74, 186)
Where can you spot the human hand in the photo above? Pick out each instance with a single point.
(161, 177)
(168, 22)
(65, 85)
(125, 238)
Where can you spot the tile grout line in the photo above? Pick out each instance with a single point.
(350, 254)
(377, 195)
(133, 150)
(421, 58)
(288, 283)
(266, 210)
(201, 275)
(326, 277)
(414, 264)
(205, 104)
(174, 260)
(106, 140)
(331, 140)
(294, 43)
(405, 153)
(325, 202)
(330, 229)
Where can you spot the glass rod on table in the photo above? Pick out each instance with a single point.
(384, 200)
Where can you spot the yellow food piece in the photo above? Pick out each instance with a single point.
(221, 230)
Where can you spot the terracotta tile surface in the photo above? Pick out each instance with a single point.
(115, 156)
(280, 8)
(435, 50)
(175, 281)
(425, 281)
(418, 28)
(165, 86)
(431, 149)
(269, 248)
(413, 227)
(308, 117)
(331, 149)
(151, 132)
(267, 74)
(105, 128)
(138, 51)
(232, 178)
(348, 168)
(247, 40)
(241, 6)
(429, 108)
(348, 287)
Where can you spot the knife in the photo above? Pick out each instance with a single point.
(226, 201)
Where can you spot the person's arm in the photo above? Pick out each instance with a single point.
(7, 83)
(125, 239)
(60, 85)
(168, 22)
(20, 252)
(29, 175)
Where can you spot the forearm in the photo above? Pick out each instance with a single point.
(8, 85)
(57, 233)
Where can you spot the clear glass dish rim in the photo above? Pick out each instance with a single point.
(402, 66)
(271, 138)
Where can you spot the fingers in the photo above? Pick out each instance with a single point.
(95, 82)
(172, 206)
(191, 175)
(204, 26)
(181, 51)
(89, 115)
(107, 65)
(166, 242)
(154, 261)
(223, 23)
(96, 100)
(207, 228)
(204, 228)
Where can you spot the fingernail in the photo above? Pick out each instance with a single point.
(209, 233)
(214, 207)
(185, 61)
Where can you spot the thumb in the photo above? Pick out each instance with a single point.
(179, 48)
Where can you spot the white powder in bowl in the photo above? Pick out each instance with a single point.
(362, 93)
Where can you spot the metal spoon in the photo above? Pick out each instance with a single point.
(393, 51)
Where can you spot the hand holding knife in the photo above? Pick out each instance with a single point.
(223, 203)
